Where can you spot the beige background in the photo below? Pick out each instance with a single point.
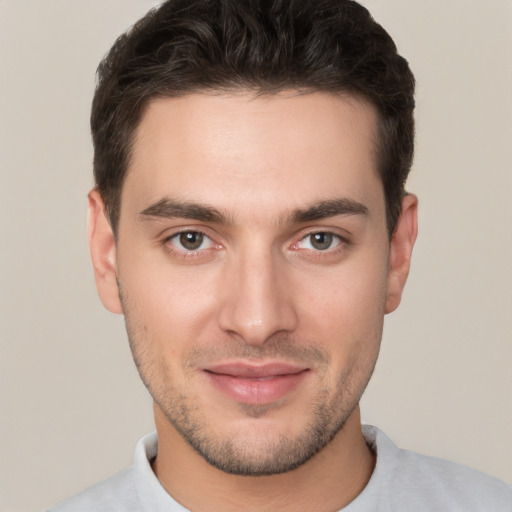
(71, 405)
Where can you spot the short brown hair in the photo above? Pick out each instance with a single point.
(267, 46)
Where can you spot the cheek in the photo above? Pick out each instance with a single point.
(347, 298)
(345, 313)
(171, 305)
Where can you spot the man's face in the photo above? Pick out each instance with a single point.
(252, 263)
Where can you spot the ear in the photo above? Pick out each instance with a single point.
(402, 243)
(103, 253)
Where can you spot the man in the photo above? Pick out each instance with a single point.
(250, 221)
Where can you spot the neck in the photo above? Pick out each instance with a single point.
(328, 481)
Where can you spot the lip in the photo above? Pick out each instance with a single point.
(256, 384)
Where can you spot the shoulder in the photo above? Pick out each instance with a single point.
(429, 483)
(114, 494)
(120, 493)
(454, 486)
(128, 490)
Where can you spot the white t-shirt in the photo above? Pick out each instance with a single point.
(402, 481)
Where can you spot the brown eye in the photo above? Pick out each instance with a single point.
(321, 241)
(191, 240)
(190, 244)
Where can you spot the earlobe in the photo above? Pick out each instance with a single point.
(103, 253)
(400, 251)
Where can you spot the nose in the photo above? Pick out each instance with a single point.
(257, 300)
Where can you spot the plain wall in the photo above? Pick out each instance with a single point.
(71, 404)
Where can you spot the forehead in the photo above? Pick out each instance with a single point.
(241, 150)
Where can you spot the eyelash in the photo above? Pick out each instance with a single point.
(333, 238)
(184, 252)
(340, 243)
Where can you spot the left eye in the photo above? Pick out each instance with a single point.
(321, 241)
(190, 241)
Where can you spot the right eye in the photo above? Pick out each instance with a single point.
(190, 241)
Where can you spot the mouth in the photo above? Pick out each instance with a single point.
(256, 384)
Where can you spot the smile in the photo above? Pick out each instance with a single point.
(259, 385)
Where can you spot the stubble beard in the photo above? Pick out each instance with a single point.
(266, 454)
(236, 453)
(269, 454)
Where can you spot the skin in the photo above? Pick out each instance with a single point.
(264, 179)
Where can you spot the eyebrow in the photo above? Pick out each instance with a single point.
(329, 208)
(169, 208)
